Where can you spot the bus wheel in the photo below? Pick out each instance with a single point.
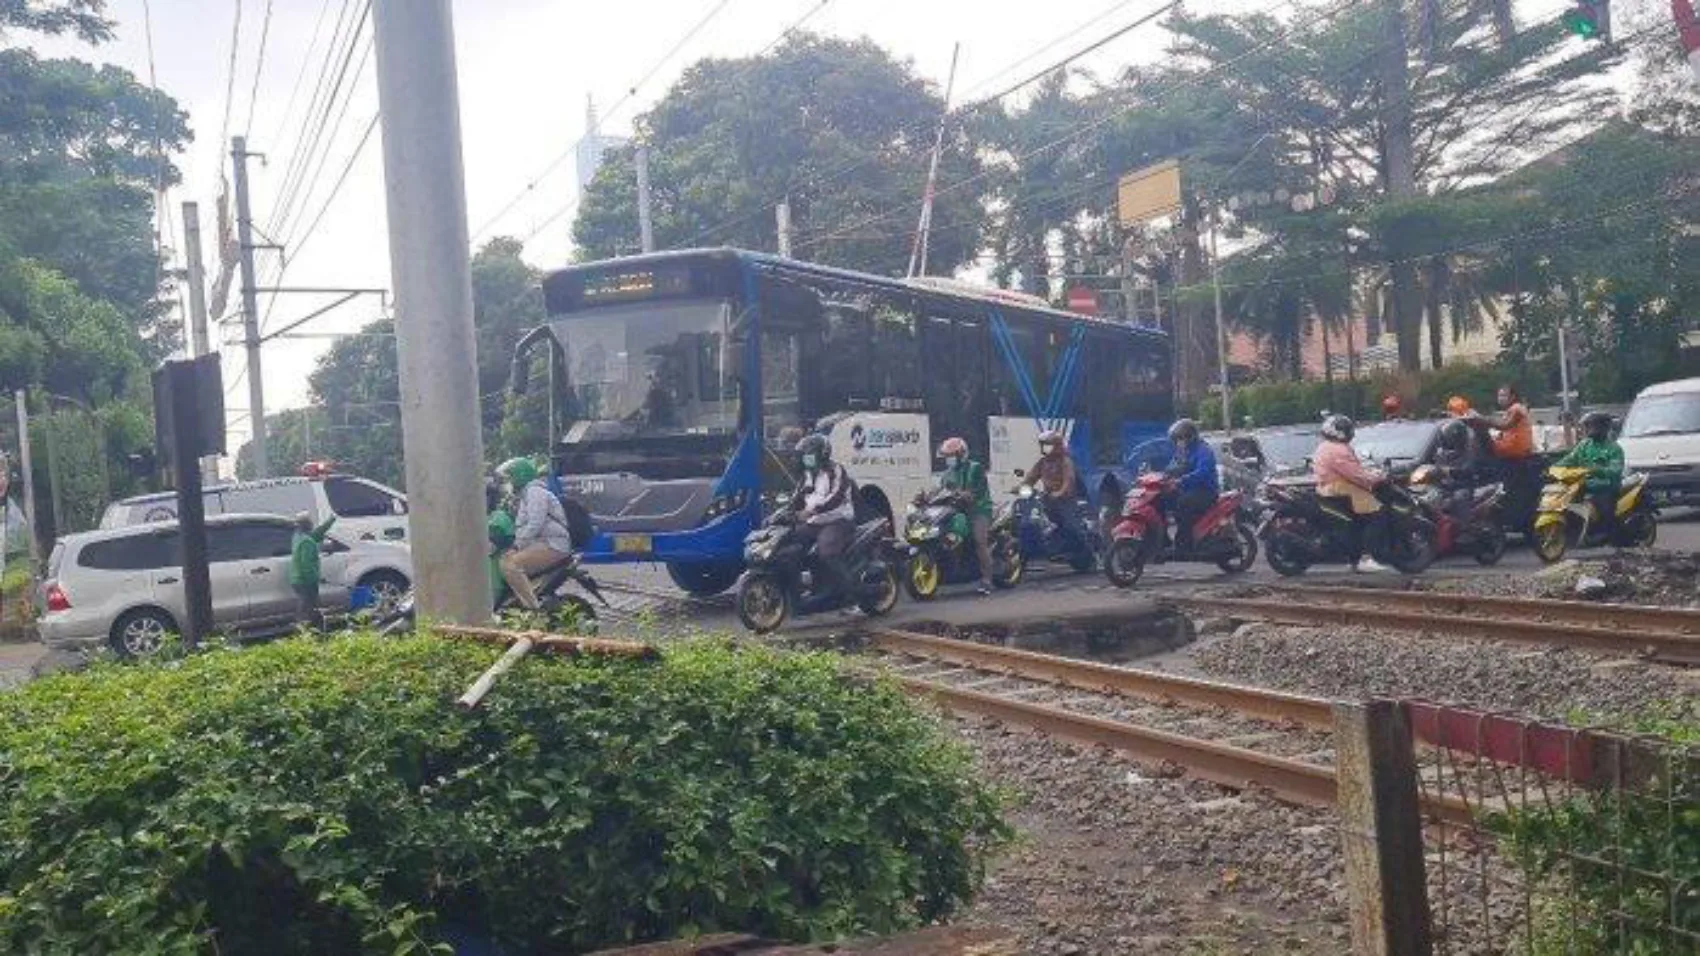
(704, 578)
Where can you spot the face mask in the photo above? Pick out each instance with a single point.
(810, 462)
(952, 461)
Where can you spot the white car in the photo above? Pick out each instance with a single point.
(123, 587)
(1661, 438)
(364, 509)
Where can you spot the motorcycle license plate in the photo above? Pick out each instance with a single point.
(633, 544)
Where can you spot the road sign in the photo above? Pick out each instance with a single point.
(1149, 193)
(1083, 300)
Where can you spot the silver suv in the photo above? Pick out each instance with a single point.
(123, 587)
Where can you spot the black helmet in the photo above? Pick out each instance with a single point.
(815, 445)
(492, 494)
(1184, 429)
(1454, 433)
(1339, 428)
(1596, 425)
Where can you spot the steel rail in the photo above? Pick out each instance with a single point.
(1663, 646)
(1616, 616)
(1092, 676)
(1287, 780)
(1290, 780)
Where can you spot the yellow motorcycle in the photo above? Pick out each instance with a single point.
(1566, 518)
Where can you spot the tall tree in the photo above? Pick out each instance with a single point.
(838, 126)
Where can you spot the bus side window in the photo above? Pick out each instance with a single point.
(896, 363)
(1007, 396)
(1107, 404)
(837, 372)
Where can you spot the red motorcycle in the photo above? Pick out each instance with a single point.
(1221, 536)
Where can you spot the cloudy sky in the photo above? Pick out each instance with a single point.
(526, 68)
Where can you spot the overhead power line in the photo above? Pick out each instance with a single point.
(230, 80)
(259, 69)
(797, 24)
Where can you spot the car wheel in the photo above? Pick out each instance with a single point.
(388, 588)
(142, 633)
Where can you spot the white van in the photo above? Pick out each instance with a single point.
(365, 510)
(1661, 437)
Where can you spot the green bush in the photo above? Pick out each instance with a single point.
(1615, 871)
(1301, 402)
(309, 797)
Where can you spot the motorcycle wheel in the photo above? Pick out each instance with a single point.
(1125, 562)
(1012, 564)
(763, 603)
(1415, 550)
(884, 597)
(1639, 530)
(1551, 541)
(1240, 563)
(1082, 561)
(924, 575)
(1491, 547)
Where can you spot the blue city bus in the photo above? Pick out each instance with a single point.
(681, 381)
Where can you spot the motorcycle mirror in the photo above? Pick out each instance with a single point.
(1020, 473)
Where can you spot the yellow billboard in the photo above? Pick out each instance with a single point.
(1149, 193)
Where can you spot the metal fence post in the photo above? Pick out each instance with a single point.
(1381, 830)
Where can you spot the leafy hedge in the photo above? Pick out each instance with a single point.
(1290, 403)
(312, 797)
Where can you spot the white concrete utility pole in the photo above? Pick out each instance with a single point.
(28, 467)
(250, 305)
(196, 278)
(424, 184)
(782, 224)
(646, 231)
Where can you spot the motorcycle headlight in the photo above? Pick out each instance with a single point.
(1026, 491)
(912, 508)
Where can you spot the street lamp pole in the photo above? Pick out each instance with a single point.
(1221, 327)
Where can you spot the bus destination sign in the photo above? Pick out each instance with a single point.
(632, 286)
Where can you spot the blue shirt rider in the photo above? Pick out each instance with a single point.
(1197, 482)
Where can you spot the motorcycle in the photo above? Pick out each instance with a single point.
(1481, 531)
(1301, 528)
(778, 579)
(941, 546)
(1219, 536)
(1041, 538)
(1566, 517)
(562, 610)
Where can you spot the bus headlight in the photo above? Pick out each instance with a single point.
(725, 504)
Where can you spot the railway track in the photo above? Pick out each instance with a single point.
(1236, 736)
(1667, 635)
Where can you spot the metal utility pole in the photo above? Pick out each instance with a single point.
(782, 222)
(55, 482)
(1221, 327)
(419, 97)
(1564, 373)
(199, 342)
(923, 230)
(250, 305)
(646, 232)
(27, 464)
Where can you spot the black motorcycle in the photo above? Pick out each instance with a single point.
(1040, 538)
(781, 574)
(1301, 528)
(561, 608)
(941, 545)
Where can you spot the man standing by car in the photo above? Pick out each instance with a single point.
(304, 548)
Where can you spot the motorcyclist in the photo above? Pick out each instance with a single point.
(825, 506)
(1392, 409)
(1516, 438)
(1603, 457)
(1339, 474)
(1458, 406)
(1197, 483)
(541, 537)
(499, 528)
(967, 478)
(1460, 461)
(1054, 477)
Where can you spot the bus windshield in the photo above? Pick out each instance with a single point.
(650, 370)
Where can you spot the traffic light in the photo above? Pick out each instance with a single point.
(1590, 19)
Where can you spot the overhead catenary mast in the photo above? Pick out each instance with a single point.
(918, 254)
